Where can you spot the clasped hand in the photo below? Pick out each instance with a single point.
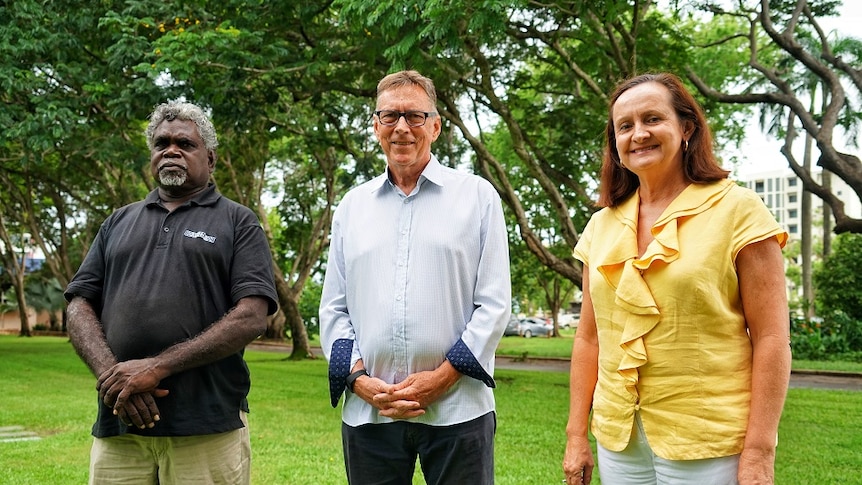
(404, 400)
(130, 389)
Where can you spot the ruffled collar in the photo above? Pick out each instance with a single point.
(624, 270)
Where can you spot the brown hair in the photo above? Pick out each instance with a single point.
(408, 78)
(698, 159)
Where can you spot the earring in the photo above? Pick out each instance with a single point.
(685, 147)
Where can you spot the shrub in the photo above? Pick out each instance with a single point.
(835, 337)
(838, 278)
(838, 300)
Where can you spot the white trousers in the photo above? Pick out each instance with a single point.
(638, 465)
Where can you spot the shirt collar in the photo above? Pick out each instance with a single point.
(206, 197)
(433, 172)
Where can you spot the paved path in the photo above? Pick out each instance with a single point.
(799, 378)
(17, 433)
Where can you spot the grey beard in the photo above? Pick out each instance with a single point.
(172, 179)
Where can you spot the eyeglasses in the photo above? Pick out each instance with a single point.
(390, 117)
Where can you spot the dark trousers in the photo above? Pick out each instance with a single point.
(385, 454)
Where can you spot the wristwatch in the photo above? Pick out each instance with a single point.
(351, 379)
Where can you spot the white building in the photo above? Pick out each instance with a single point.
(781, 190)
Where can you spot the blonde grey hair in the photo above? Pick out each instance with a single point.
(408, 78)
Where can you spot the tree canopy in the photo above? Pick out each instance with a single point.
(804, 79)
(522, 88)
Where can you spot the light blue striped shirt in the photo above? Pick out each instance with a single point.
(411, 276)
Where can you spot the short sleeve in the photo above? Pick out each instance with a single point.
(582, 248)
(754, 222)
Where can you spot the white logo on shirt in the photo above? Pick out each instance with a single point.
(201, 235)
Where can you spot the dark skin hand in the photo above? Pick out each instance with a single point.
(141, 410)
(137, 410)
(141, 371)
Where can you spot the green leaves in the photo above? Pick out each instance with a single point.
(839, 278)
(522, 90)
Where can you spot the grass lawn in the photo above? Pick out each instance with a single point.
(561, 347)
(296, 438)
(557, 347)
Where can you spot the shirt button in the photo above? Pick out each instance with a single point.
(637, 407)
(167, 230)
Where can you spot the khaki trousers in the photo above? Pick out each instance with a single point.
(217, 459)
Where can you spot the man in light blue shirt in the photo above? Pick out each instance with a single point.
(415, 300)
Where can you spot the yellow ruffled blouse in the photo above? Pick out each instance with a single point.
(673, 342)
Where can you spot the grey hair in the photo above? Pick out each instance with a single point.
(178, 110)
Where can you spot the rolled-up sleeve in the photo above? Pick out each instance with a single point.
(336, 332)
(492, 297)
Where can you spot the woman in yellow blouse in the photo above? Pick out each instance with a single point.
(682, 352)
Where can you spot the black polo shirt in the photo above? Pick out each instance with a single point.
(157, 278)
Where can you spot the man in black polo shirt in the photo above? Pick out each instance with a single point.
(171, 291)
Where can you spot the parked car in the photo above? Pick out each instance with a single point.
(535, 326)
(566, 320)
(513, 326)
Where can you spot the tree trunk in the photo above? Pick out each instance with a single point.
(827, 216)
(16, 271)
(555, 296)
(22, 307)
(298, 333)
(288, 298)
(805, 231)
